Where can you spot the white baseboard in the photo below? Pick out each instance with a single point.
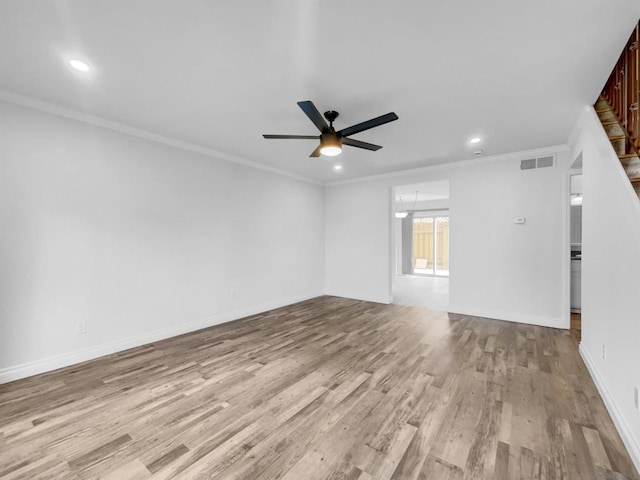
(359, 296)
(513, 317)
(43, 365)
(630, 441)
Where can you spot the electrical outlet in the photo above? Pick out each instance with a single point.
(636, 397)
(81, 327)
(604, 351)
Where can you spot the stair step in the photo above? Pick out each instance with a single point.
(628, 155)
(619, 143)
(634, 179)
(613, 129)
(631, 165)
(601, 104)
(606, 116)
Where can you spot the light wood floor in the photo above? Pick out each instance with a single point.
(421, 291)
(576, 326)
(325, 389)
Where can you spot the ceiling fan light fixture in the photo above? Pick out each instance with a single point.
(330, 151)
(330, 144)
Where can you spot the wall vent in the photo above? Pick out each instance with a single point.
(544, 162)
(528, 164)
(533, 163)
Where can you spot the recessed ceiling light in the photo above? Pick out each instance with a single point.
(478, 152)
(79, 65)
(474, 140)
(337, 167)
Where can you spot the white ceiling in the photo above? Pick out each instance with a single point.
(220, 73)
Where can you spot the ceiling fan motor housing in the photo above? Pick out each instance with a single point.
(331, 139)
(331, 116)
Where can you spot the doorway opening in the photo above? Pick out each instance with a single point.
(575, 239)
(421, 245)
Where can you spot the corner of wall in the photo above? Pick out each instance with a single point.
(24, 370)
(361, 296)
(538, 320)
(626, 433)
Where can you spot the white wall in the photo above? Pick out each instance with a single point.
(610, 278)
(498, 269)
(441, 204)
(140, 240)
(358, 241)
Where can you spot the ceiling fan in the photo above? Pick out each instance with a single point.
(331, 141)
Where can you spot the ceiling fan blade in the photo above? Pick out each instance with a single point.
(357, 143)
(314, 115)
(374, 122)
(316, 152)
(300, 137)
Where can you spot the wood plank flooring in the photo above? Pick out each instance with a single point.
(329, 389)
(576, 326)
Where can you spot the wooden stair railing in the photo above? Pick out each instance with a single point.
(622, 91)
(618, 108)
(620, 141)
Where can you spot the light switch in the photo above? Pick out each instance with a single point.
(520, 220)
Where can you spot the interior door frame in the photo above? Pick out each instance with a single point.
(573, 171)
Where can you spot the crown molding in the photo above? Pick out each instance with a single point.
(23, 101)
(28, 102)
(521, 155)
